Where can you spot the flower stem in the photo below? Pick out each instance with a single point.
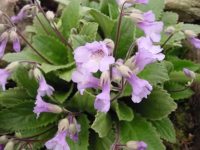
(167, 40)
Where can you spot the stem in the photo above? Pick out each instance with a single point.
(118, 30)
(167, 40)
(133, 45)
(116, 143)
(42, 25)
(29, 44)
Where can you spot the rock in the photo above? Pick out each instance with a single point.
(189, 10)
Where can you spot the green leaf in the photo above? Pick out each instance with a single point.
(157, 6)
(63, 96)
(113, 10)
(52, 49)
(83, 141)
(166, 129)
(66, 74)
(155, 73)
(21, 117)
(89, 29)
(70, 17)
(12, 97)
(83, 102)
(178, 91)
(79, 40)
(126, 36)
(104, 22)
(49, 68)
(102, 124)
(193, 27)
(157, 106)
(105, 143)
(140, 130)
(21, 76)
(124, 112)
(170, 18)
(25, 55)
(179, 64)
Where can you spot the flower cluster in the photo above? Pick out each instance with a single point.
(97, 57)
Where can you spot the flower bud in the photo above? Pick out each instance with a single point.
(110, 44)
(13, 35)
(189, 73)
(190, 33)
(55, 109)
(135, 145)
(63, 125)
(124, 70)
(2, 27)
(136, 15)
(72, 129)
(3, 139)
(50, 15)
(9, 145)
(170, 30)
(12, 66)
(37, 73)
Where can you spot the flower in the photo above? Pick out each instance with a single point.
(189, 73)
(3, 42)
(44, 88)
(74, 128)
(84, 79)
(1, 147)
(140, 88)
(94, 56)
(192, 38)
(136, 145)
(16, 42)
(42, 106)
(102, 101)
(151, 27)
(4, 75)
(58, 142)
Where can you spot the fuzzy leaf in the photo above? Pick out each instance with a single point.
(124, 112)
(89, 29)
(170, 18)
(139, 129)
(158, 105)
(102, 124)
(70, 17)
(21, 117)
(166, 129)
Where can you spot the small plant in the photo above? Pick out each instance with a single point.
(99, 76)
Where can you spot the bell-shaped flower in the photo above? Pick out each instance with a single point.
(140, 88)
(42, 106)
(84, 79)
(102, 101)
(192, 38)
(44, 88)
(3, 42)
(151, 27)
(16, 42)
(94, 56)
(4, 75)
(58, 142)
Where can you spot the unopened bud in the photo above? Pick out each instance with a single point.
(55, 109)
(136, 15)
(135, 145)
(72, 128)
(110, 44)
(190, 33)
(2, 27)
(189, 73)
(50, 15)
(170, 30)
(9, 145)
(63, 125)
(13, 35)
(12, 66)
(3, 139)
(37, 73)
(124, 70)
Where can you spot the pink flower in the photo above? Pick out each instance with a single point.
(42, 106)
(58, 142)
(84, 79)
(44, 88)
(94, 56)
(141, 88)
(4, 75)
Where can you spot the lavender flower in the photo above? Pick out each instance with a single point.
(44, 88)
(58, 142)
(151, 27)
(16, 42)
(42, 106)
(192, 38)
(94, 56)
(74, 128)
(1, 147)
(102, 101)
(136, 145)
(189, 73)
(3, 42)
(84, 79)
(141, 88)
(4, 75)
